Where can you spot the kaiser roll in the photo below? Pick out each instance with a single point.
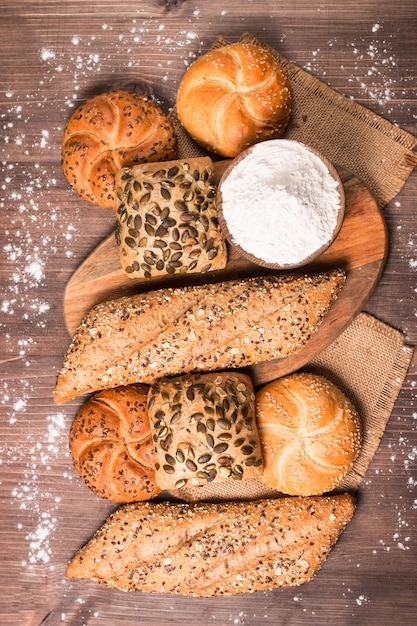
(233, 97)
(310, 434)
(108, 132)
(111, 445)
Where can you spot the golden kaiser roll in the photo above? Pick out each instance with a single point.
(108, 132)
(233, 97)
(310, 434)
(111, 445)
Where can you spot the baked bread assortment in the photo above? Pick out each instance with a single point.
(310, 434)
(233, 97)
(174, 331)
(204, 429)
(213, 549)
(111, 445)
(108, 132)
(169, 409)
(167, 219)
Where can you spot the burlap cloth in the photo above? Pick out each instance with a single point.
(369, 360)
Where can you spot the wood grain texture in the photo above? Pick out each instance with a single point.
(55, 54)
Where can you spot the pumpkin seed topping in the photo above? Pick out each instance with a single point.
(195, 447)
(161, 206)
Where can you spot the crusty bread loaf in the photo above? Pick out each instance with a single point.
(204, 429)
(213, 549)
(167, 220)
(310, 434)
(111, 445)
(108, 132)
(199, 328)
(233, 97)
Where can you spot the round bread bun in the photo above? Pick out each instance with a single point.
(233, 97)
(111, 131)
(111, 445)
(310, 434)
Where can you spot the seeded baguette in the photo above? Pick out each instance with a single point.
(209, 549)
(205, 328)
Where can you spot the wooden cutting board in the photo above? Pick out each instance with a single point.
(360, 249)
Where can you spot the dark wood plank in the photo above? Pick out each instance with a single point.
(54, 55)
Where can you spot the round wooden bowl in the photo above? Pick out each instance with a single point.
(276, 265)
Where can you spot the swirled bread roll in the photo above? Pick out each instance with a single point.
(111, 445)
(199, 328)
(233, 97)
(310, 434)
(108, 132)
(213, 549)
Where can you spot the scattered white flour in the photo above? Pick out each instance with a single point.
(377, 87)
(47, 55)
(280, 202)
(39, 507)
(38, 230)
(362, 599)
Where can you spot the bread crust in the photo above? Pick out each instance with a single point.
(204, 429)
(176, 230)
(203, 328)
(310, 434)
(213, 549)
(111, 445)
(233, 97)
(108, 132)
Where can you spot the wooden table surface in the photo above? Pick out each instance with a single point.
(54, 54)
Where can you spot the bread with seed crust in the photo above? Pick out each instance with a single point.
(111, 444)
(310, 434)
(204, 429)
(108, 132)
(208, 549)
(167, 220)
(203, 328)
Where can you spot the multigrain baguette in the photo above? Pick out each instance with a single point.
(209, 549)
(205, 328)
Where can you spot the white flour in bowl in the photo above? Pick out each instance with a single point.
(280, 202)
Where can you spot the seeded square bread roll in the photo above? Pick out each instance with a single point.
(204, 429)
(209, 549)
(200, 328)
(167, 219)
